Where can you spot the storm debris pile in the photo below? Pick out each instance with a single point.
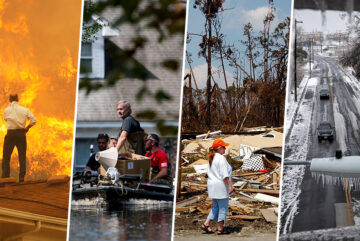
(256, 195)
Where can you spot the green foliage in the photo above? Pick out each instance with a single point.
(171, 64)
(161, 96)
(166, 130)
(165, 17)
(148, 114)
(90, 27)
(141, 93)
(139, 41)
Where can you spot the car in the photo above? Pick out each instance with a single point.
(324, 94)
(325, 131)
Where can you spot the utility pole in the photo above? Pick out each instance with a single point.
(321, 42)
(310, 43)
(295, 97)
(208, 81)
(312, 50)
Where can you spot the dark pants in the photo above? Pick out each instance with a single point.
(166, 180)
(14, 138)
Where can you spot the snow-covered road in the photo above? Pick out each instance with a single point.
(308, 204)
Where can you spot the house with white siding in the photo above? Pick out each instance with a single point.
(96, 111)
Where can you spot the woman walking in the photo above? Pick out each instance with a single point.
(219, 186)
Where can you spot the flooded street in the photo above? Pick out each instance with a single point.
(131, 222)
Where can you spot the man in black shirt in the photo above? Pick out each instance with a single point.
(102, 141)
(131, 137)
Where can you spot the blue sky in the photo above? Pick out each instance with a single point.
(237, 14)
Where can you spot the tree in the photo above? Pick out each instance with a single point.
(257, 95)
(301, 54)
(210, 9)
(166, 17)
(352, 56)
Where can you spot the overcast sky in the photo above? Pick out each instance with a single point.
(329, 22)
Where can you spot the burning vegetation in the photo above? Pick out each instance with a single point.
(39, 63)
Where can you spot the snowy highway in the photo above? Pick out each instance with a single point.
(311, 206)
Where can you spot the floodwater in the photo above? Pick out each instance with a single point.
(130, 222)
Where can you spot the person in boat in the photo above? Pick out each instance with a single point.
(131, 136)
(112, 142)
(160, 166)
(102, 142)
(16, 117)
(219, 186)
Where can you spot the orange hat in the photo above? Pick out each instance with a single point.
(218, 142)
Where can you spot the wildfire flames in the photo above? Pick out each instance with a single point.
(38, 60)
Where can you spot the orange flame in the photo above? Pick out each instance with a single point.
(42, 71)
(17, 27)
(68, 68)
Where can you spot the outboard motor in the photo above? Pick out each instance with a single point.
(85, 177)
(90, 176)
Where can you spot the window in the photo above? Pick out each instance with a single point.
(86, 58)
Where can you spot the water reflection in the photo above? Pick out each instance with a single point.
(129, 223)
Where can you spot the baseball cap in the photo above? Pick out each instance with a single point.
(218, 142)
(153, 137)
(103, 136)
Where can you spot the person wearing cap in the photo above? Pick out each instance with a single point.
(160, 167)
(219, 186)
(16, 117)
(131, 136)
(102, 141)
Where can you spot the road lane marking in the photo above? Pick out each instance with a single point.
(325, 113)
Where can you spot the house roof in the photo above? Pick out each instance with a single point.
(100, 105)
(37, 197)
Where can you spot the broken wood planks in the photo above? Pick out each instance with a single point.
(272, 192)
(204, 210)
(194, 184)
(274, 180)
(247, 174)
(261, 178)
(189, 209)
(269, 215)
(266, 198)
(187, 202)
(268, 162)
(207, 134)
(243, 186)
(182, 209)
(246, 217)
